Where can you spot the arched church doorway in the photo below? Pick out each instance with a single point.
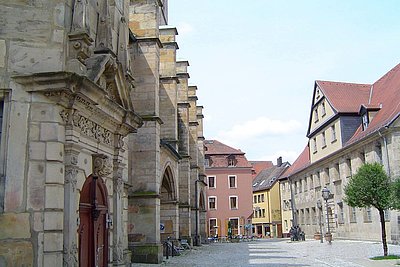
(168, 206)
(93, 232)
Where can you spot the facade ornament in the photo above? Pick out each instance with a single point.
(118, 253)
(70, 255)
(87, 127)
(71, 177)
(118, 183)
(102, 165)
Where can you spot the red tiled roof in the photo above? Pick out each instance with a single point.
(214, 147)
(345, 97)
(302, 161)
(258, 166)
(386, 95)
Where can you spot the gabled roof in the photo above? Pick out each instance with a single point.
(302, 161)
(268, 177)
(345, 97)
(386, 95)
(258, 166)
(214, 147)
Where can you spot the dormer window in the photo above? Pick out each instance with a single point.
(232, 161)
(365, 120)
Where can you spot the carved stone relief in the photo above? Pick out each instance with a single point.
(102, 165)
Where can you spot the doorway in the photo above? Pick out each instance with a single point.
(93, 232)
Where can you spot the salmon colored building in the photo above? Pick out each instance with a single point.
(229, 192)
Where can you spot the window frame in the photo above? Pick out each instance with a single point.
(230, 202)
(229, 181)
(215, 182)
(215, 203)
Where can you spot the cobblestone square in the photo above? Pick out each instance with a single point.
(282, 252)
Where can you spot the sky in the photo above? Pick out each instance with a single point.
(255, 62)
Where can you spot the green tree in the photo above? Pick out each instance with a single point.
(371, 186)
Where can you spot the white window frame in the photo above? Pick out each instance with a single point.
(210, 231)
(214, 197)
(323, 109)
(314, 145)
(237, 203)
(238, 225)
(333, 133)
(229, 181)
(323, 139)
(215, 181)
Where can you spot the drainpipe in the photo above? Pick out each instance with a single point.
(386, 152)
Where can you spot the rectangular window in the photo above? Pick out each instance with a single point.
(365, 121)
(305, 185)
(206, 162)
(232, 181)
(323, 110)
(333, 133)
(314, 144)
(353, 215)
(340, 213)
(234, 226)
(327, 178)
(378, 151)
(314, 215)
(259, 198)
(323, 140)
(387, 215)
(212, 203)
(213, 230)
(311, 183)
(338, 187)
(211, 182)
(262, 197)
(255, 199)
(233, 202)
(316, 114)
(263, 213)
(367, 215)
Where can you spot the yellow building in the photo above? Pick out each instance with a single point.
(267, 218)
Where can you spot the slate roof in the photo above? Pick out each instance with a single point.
(268, 177)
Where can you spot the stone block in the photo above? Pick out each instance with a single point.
(49, 131)
(16, 253)
(37, 150)
(14, 225)
(55, 173)
(34, 132)
(55, 151)
(52, 242)
(54, 197)
(44, 112)
(53, 220)
(38, 221)
(52, 259)
(35, 188)
(3, 53)
(24, 59)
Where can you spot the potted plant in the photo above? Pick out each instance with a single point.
(317, 235)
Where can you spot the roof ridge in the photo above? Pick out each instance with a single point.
(387, 73)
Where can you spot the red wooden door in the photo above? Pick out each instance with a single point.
(93, 232)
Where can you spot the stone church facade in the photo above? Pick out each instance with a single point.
(101, 135)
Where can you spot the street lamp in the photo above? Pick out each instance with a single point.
(319, 205)
(326, 195)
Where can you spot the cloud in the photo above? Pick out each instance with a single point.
(286, 155)
(259, 127)
(184, 28)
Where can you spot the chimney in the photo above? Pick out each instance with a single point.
(279, 162)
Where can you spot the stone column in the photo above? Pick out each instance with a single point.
(70, 210)
(144, 172)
